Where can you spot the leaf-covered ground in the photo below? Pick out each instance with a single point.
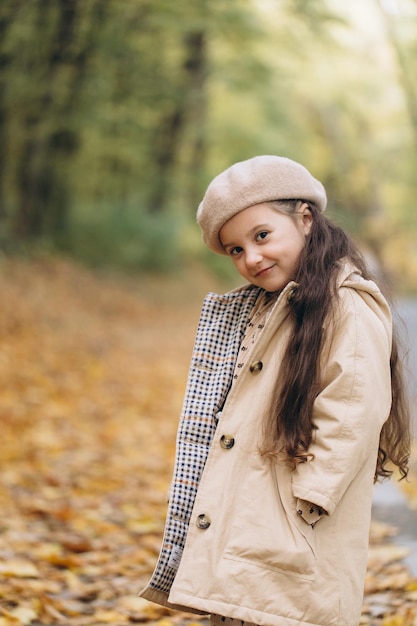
(92, 372)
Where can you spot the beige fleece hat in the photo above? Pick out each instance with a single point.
(257, 180)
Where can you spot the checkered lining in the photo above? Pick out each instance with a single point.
(220, 330)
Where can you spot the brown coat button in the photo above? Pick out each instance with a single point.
(203, 521)
(227, 441)
(256, 367)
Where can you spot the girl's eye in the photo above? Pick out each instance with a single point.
(262, 235)
(235, 251)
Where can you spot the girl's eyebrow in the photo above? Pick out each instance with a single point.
(250, 232)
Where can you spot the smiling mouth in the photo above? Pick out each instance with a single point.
(264, 271)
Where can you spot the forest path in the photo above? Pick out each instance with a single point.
(93, 369)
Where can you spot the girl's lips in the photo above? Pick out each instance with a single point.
(264, 271)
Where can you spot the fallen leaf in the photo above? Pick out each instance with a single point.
(93, 369)
(19, 568)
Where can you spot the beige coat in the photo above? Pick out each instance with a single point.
(248, 554)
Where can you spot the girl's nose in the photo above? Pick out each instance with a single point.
(253, 257)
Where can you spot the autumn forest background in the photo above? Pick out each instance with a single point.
(114, 116)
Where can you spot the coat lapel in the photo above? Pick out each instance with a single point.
(221, 327)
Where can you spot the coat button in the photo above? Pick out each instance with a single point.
(203, 521)
(227, 442)
(256, 367)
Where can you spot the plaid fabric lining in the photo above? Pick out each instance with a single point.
(221, 328)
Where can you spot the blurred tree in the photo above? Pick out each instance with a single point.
(48, 44)
(114, 114)
(187, 107)
(7, 15)
(405, 53)
(151, 127)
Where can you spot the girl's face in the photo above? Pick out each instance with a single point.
(265, 244)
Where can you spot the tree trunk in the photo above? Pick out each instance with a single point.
(196, 67)
(8, 12)
(187, 115)
(166, 146)
(51, 136)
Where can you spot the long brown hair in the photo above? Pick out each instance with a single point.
(289, 426)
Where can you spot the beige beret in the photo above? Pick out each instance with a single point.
(257, 180)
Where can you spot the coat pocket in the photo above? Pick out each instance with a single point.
(263, 532)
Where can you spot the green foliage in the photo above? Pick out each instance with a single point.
(131, 240)
(108, 104)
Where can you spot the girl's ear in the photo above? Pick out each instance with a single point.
(306, 218)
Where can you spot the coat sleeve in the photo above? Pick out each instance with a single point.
(354, 401)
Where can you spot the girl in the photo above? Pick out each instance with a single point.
(294, 406)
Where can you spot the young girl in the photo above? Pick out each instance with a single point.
(294, 406)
